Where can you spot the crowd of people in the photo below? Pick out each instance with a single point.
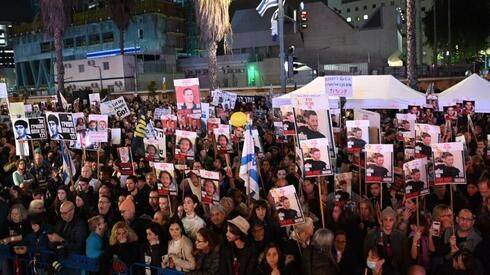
(123, 220)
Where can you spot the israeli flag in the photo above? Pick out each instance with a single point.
(248, 168)
(69, 168)
(265, 5)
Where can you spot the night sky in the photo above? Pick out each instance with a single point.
(15, 10)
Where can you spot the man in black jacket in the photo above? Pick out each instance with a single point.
(70, 232)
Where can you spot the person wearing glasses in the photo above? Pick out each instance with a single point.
(70, 232)
(465, 236)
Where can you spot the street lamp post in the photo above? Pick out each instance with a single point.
(318, 59)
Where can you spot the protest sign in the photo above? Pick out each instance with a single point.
(185, 145)
(126, 163)
(94, 99)
(120, 107)
(97, 128)
(287, 118)
(316, 157)
(21, 127)
(37, 128)
(338, 85)
(343, 187)
(287, 204)
(61, 126)
(357, 135)
(166, 184)
(115, 136)
(379, 163)
(449, 164)
(188, 95)
(3, 90)
(106, 108)
(212, 124)
(209, 187)
(222, 137)
(169, 123)
(416, 178)
(22, 148)
(425, 135)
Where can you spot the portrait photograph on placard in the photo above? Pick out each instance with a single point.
(209, 187)
(433, 100)
(468, 107)
(379, 163)
(126, 163)
(97, 128)
(211, 124)
(169, 124)
(188, 95)
(224, 143)
(343, 187)
(450, 113)
(151, 150)
(357, 135)
(316, 157)
(79, 121)
(287, 119)
(425, 135)
(416, 178)
(405, 123)
(189, 122)
(287, 205)
(414, 110)
(449, 163)
(21, 128)
(61, 126)
(279, 131)
(166, 182)
(185, 145)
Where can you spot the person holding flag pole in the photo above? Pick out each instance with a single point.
(248, 167)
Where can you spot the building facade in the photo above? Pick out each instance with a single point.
(154, 38)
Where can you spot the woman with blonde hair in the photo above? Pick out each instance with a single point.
(123, 246)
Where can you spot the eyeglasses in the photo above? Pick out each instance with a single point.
(465, 219)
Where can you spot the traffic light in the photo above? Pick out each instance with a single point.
(303, 19)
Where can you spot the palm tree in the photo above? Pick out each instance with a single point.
(121, 13)
(411, 73)
(213, 20)
(56, 16)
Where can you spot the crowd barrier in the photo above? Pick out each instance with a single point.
(81, 264)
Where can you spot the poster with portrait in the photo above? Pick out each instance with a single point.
(287, 119)
(37, 128)
(79, 121)
(468, 107)
(450, 113)
(415, 110)
(343, 187)
(61, 126)
(21, 148)
(416, 178)
(83, 140)
(166, 182)
(169, 124)
(209, 186)
(224, 144)
(126, 164)
(189, 122)
(316, 157)
(188, 95)
(312, 119)
(185, 145)
(425, 135)
(151, 150)
(379, 163)
(98, 130)
(94, 99)
(279, 131)
(212, 124)
(161, 142)
(336, 117)
(405, 124)
(433, 100)
(449, 163)
(287, 205)
(357, 135)
(21, 128)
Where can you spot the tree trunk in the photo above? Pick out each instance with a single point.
(213, 65)
(411, 63)
(121, 41)
(60, 76)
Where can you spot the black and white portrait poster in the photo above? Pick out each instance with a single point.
(61, 126)
(357, 135)
(287, 205)
(21, 128)
(209, 186)
(379, 163)
(316, 157)
(449, 163)
(416, 178)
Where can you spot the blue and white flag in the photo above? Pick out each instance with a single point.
(248, 168)
(265, 5)
(69, 168)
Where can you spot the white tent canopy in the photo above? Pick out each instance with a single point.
(471, 88)
(369, 92)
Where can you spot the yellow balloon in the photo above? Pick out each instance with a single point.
(238, 119)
